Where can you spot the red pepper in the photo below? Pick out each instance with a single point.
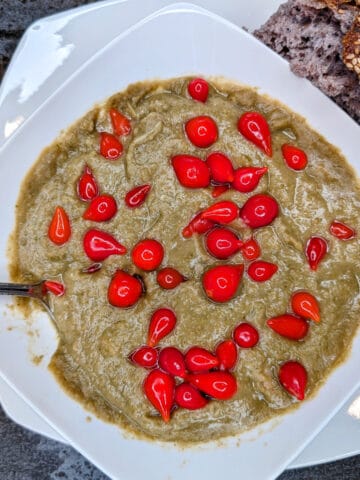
(124, 289)
(341, 231)
(294, 157)
(226, 352)
(172, 361)
(289, 326)
(219, 190)
(222, 282)
(169, 278)
(197, 225)
(137, 196)
(110, 147)
(87, 188)
(305, 305)
(121, 124)
(201, 131)
(101, 209)
(59, 229)
(246, 335)
(219, 385)
(159, 388)
(146, 357)
(148, 254)
(222, 243)
(162, 322)
(251, 249)
(189, 397)
(192, 172)
(56, 288)
(254, 127)
(260, 271)
(95, 267)
(315, 251)
(259, 210)
(221, 168)
(246, 179)
(198, 89)
(221, 212)
(293, 377)
(99, 245)
(198, 359)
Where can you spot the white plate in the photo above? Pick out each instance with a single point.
(212, 39)
(61, 44)
(63, 33)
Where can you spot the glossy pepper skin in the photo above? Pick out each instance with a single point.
(221, 282)
(56, 288)
(101, 209)
(341, 231)
(246, 335)
(121, 124)
(162, 322)
(198, 89)
(144, 356)
(221, 168)
(222, 243)
(198, 359)
(315, 250)
(110, 147)
(171, 360)
(293, 377)
(198, 224)
(289, 326)
(159, 388)
(202, 131)
(169, 278)
(294, 157)
(246, 179)
(251, 249)
(192, 172)
(259, 210)
(226, 352)
(260, 271)
(189, 397)
(99, 245)
(305, 305)
(218, 385)
(221, 212)
(124, 290)
(148, 254)
(59, 231)
(137, 196)
(87, 187)
(254, 127)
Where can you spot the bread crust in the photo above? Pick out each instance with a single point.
(351, 47)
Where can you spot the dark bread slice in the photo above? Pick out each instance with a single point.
(309, 35)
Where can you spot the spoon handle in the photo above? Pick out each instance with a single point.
(23, 290)
(19, 289)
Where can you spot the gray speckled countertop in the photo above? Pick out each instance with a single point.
(28, 456)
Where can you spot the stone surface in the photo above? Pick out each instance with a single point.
(28, 456)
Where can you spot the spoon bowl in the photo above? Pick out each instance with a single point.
(35, 290)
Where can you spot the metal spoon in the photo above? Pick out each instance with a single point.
(34, 291)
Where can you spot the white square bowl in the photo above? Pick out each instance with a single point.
(178, 40)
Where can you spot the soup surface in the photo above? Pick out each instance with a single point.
(96, 337)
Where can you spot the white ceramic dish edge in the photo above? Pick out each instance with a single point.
(325, 447)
